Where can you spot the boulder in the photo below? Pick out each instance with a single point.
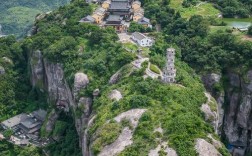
(204, 148)
(2, 70)
(115, 95)
(80, 82)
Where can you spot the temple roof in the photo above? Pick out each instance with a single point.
(119, 5)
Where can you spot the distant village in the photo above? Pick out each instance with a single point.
(118, 14)
(24, 128)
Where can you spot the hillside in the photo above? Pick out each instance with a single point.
(99, 102)
(17, 16)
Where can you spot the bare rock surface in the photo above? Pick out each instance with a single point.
(57, 87)
(125, 138)
(37, 69)
(132, 115)
(52, 118)
(204, 148)
(210, 115)
(2, 70)
(217, 144)
(115, 95)
(169, 151)
(80, 81)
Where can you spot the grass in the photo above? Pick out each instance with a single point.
(205, 9)
(131, 46)
(154, 68)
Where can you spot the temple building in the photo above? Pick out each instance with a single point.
(169, 72)
(121, 8)
(116, 22)
(99, 15)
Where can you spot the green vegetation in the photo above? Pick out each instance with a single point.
(67, 138)
(250, 30)
(232, 8)
(154, 68)
(8, 149)
(189, 9)
(17, 16)
(94, 51)
(107, 134)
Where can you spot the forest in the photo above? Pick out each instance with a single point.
(18, 16)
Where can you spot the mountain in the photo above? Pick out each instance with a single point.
(17, 16)
(106, 97)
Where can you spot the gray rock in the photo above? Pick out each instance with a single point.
(57, 87)
(115, 95)
(2, 70)
(210, 79)
(204, 148)
(37, 69)
(80, 82)
(51, 120)
(115, 78)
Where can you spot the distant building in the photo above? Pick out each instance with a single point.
(99, 14)
(13, 122)
(137, 17)
(116, 22)
(25, 126)
(121, 8)
(136, 5)
(145, 22)
(87, 19)
(169, 72)
(106, 4)
(142, 40)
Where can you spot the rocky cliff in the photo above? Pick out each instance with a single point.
(236, 99)
(49, 77)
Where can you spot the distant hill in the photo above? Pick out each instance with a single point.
(17, 16)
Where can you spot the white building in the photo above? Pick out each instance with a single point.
(142, 40)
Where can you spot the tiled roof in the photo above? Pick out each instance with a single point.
(138, 36)
(119, 5)
(114, 18)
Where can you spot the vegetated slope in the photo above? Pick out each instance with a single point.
(87, 48)
(17, 16)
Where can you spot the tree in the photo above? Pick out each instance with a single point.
(250, 30)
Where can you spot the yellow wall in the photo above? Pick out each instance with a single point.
(105, 5)
(98, 18)
(136, 7)
(136, 18)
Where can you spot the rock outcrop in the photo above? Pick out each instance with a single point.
(237, 97)
(125, 138)
(211, 111)
(51, 119)
(37, 69)
(49, 77)
(204, 148)
(115, 95)
(80, 82)
(163, 146)
(2, 70)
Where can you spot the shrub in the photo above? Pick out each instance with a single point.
(154, 68)
(106, 135)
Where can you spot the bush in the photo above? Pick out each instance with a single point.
(106, 135)
(154, 68)
(250, 30)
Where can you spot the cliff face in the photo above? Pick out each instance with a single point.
(49, 77)
(236, 99)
